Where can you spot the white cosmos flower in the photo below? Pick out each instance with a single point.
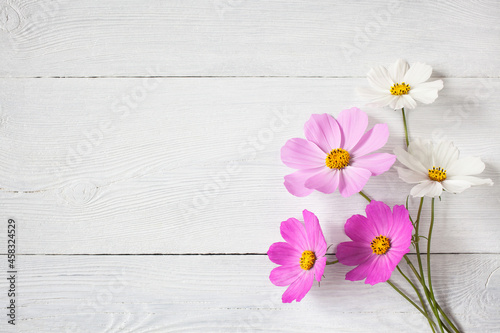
(437, 167)
(400, 85)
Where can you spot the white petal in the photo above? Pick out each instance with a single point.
(377, 97)
(408, 102)
(445, 154)
(466, 166)
(411, 176)
(417, 73)
(428, 188)
(379, 78)
(455, 186)
(472, 180)
(426, 92)
(409, 160)
(398, 70)
(422, 150)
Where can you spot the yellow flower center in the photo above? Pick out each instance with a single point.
(337, 159)
(307, 260)
(400, 89)
(380, 244)
(437, 174)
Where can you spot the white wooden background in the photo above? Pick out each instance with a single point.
(139, 149)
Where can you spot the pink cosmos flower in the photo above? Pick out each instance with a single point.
(335, 154)
(379, 241)
(302, 256)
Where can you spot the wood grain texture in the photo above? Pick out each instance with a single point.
(245, 38)
(233, 294)
(193, 166)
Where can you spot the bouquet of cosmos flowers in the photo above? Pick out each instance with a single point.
(338, 153)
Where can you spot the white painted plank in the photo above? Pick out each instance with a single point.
(245, 38)
(233, 294)
(176, 172)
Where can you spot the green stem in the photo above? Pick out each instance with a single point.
(409, 300)
(429, 264)
(427, 291)
(332, 262)
(365, 196)
(431, 323)
(406, 128)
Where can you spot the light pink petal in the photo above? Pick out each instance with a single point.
(299, 288)
(284, 275)
(352, 180)
(319, 268)
(381, 270)
(360, 272)
(353, 123)
(358, 229)
(324, 131)
(379, 78)
(398, 70)
(353, 253)
(282, 253)
(315, 237)
(325, 181)
(372, 140)
(426, 92)
(294, 182)
(302, 154)
(377, 163)
(294, 233)
(417, 74)
(379, 216)
(427, 188)
(466, 166)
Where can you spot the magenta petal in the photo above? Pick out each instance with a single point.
(353, 253)
(294, 233)
(284, 275)
(282, 253)
(315, 237)
(319, 268)
(353, 123)
(352, 180)
(381, 270)
(359, 229)
(380, 217)
(294, 182)
(299, 288)
(372, 140)
(360, 272)
(377, 163)
(302, 154)
(326, 180)
(324, 131)
(402, 228)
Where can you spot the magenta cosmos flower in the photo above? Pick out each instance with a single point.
(379, 241)
(302, 257)
(335, 154)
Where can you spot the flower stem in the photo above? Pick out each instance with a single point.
(429, 262)
(365, 196)
(406, 128)
(332, 262)
(409, 300)
(431, 323)
(408, 261)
